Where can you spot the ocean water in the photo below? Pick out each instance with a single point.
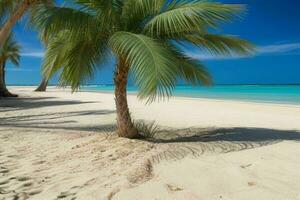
(287, 94)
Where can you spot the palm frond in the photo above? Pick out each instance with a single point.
(102, 5)
(53, 20)
(10, 51)
(6, 8)
(194, 72)
(152, 63)
(190, 16)
(191, 71)
(136, 12)
(220, 44)
(108, 12)
(78, 59)
(54, 56)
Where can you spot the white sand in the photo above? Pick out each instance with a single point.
(57, 145)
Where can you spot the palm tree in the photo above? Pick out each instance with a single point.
(13, 11)
(145, 38)
(43, 86)
(44, 83)
(9, 52)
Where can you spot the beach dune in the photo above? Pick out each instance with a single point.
(58, 145)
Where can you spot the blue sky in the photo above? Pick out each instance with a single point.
(272, 25)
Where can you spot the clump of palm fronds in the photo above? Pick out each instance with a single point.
(146, 37)
(146, 129)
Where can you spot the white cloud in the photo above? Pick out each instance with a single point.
(198, 54)
(33, 54)
(20, 70)
(207, 56)
(277, 49)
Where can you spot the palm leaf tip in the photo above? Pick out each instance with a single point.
(231, 43)
(221, 44)
(190, 70)
(196, 74)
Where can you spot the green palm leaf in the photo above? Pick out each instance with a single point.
(10, 51)
(219, 44)
(66, 53)
(54, 56)
(192, 71)
(152, 64)
(190, 16)
(136, 12)
(6, 9)
(52, 20)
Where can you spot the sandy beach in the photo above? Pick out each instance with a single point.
(58, 145)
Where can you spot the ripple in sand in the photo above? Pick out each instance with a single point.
(23, 178)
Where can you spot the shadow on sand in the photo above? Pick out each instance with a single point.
(47, 119)
(173, 143)
(25, 103)
(199, 141)
(57, 120)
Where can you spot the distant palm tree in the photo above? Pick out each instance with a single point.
(43, 86)
(9, 52)
(11, 11)
(44, 83)
(144, 36)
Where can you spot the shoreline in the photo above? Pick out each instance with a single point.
(287, 104)
(220, 113)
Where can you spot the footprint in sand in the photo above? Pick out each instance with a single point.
(72, 192)
(251, 184)
(4, 182)
(19, 188)
(22, 178)
(26, 195)
(40, 162)
(21, 196)
(4, 170)
(3, 190)
(34, 192)
(245, 166)
(14, 156)
(63, 195)
(26, 185)
(173, 188)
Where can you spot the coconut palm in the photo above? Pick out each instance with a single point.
(9, 52)
(43, 86)
(44, 83)
(11, 11)
(145, 38)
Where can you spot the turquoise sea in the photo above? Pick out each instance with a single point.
(288, 94)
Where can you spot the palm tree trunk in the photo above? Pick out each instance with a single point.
(43, 86)
(124, 122)
(3, 90)
(18, 13)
